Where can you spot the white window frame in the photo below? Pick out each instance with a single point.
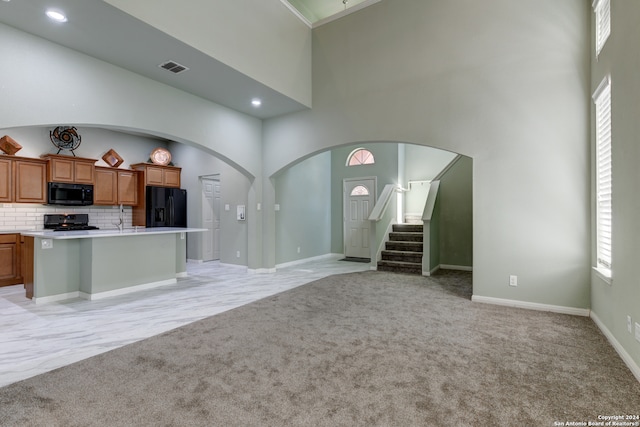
(370, 159)
(602, 100)
(602, 9)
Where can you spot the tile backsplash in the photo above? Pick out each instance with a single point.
(18, 216)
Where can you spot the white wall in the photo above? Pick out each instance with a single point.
(505, 83)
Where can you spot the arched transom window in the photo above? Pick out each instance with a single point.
(360, 156)
(360, 190)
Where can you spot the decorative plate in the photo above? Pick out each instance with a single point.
(161, 156)
(65, 138)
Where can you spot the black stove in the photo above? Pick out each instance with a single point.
(67, 222)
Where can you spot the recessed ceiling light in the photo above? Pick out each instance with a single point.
(56, 15)
(256, 102)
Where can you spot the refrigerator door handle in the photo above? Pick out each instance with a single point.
(170, 211)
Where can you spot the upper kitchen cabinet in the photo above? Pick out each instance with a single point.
(75, 170)
(30, 181)
(160, 176)
(128, 187)
(6, 180)
(115, 187)
(105, 190)
(22, 180)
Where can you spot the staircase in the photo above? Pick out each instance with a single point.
(403, 251)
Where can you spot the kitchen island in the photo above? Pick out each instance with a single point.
(95, 264)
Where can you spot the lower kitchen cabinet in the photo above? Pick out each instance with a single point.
(10, 264)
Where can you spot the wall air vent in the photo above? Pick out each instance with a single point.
(173, 66)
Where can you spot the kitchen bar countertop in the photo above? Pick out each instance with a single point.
(87, 234)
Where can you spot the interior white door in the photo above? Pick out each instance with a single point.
(210, 219)
(359, 198)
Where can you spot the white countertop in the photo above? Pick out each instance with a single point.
(87, 234)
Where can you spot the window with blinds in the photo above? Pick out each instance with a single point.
(602, 100)
(602, 9)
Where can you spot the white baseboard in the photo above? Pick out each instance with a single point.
(532, 305)
(182, 274)
(101, 295)
(127, 290)
(311, 259)
(447, 267)
(54, 298)
(430, 272)
(626, 358)
(456, 267)
(194, 261)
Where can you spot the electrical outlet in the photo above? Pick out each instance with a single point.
(47, 243)
(629, 324)
(513, 280)
(238, 254)
(637, 331)
(298, 249)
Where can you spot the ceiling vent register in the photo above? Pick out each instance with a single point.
(173, 66)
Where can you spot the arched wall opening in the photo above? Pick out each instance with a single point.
(309, 199)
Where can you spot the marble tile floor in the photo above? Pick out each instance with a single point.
(39, 338)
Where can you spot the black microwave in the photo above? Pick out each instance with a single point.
(60, 193)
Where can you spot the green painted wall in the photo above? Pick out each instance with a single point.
(455, 207)
(475, 78)
(385, 170)
(195, 163)
(612, 303)
(421, 164)
(303, 193)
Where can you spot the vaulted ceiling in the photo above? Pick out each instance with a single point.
(102, 31)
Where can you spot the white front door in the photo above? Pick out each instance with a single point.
(210, 219)
(359, 198)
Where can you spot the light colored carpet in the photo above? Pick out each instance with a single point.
(369, 349)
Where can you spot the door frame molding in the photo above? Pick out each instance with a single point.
(201, 179)
(344, 198)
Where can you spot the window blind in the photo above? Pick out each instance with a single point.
(602, 9)
(602, 99)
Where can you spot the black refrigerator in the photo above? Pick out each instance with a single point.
(166, 207)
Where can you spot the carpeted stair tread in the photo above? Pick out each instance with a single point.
(415, 257)
(405, 236)
(404, 246)
(418, 228)
(400, 266)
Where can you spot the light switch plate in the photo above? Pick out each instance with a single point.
(47, 243)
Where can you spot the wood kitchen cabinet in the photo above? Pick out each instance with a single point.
(128, 187)
(105, 190)
(6, 180)
(160, 176)
(29, 180)
(76, 170)
(115, 187)
(10, 265)
(22, 180)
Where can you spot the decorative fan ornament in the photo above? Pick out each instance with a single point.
(65, 138)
